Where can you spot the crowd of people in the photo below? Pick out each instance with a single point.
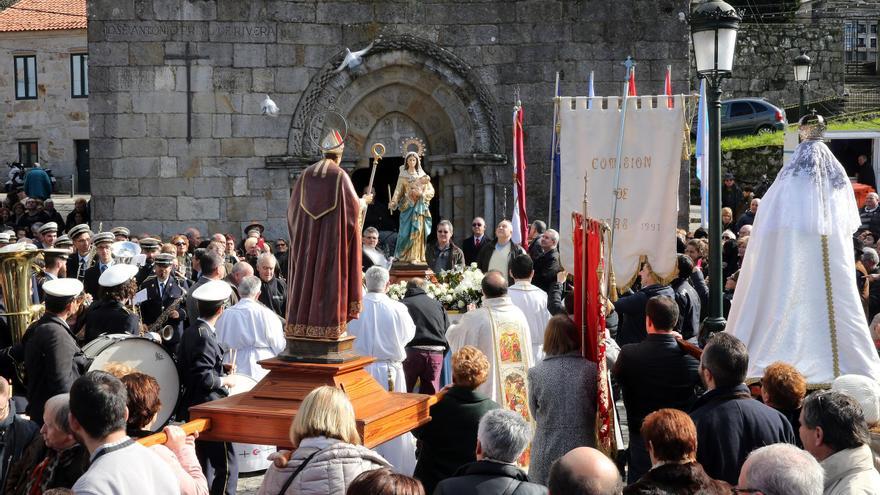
(217, 306)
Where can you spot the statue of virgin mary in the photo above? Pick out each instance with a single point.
(796, 299)
(412, 196)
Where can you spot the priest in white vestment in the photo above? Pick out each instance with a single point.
(382, 331)
(251, 330)
(482, 327)
(796, 299)
(531, 300)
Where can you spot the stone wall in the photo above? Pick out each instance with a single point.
(472, 56)
(54, 119)
(754, 167)
(764, 55)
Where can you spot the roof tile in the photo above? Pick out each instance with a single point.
(44, 15)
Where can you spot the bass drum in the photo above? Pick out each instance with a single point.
(142, 355)
(251, 457)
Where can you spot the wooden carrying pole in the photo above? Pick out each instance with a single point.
(196, 425)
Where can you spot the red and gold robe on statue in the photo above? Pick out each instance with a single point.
(324, 276)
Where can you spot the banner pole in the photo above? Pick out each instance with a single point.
(630, 65)
(553, 145)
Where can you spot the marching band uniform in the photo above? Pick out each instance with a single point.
(52, 360)
(46, 228)
(201, 371)
(93, 273)
(149, 247)
(45, 276)
(109, 316)
(78, 263)
(160, 295)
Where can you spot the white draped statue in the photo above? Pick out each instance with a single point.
(796, 299)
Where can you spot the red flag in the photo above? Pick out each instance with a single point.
(520, 219)
(668, 86)
(632, 83)
(590, 318)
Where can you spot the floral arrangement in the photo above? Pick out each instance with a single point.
(455, 289)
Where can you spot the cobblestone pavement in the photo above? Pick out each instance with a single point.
(248, 484)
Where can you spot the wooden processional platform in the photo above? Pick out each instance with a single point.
(263, 415)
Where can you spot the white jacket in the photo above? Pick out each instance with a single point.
(851, 472)
(329, 472)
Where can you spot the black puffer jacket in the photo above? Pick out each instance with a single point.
(489, 478)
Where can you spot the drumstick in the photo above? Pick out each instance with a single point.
(233, 353)
(201, 424)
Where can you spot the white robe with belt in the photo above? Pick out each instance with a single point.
(254, 331)
(532, 301)
(382, 331)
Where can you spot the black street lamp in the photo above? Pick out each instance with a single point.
(802, 65)
(714, 24)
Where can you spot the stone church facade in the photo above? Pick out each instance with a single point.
(177, 143)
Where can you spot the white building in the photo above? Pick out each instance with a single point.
(44, 88)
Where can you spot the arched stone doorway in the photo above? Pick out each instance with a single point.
(409, 85)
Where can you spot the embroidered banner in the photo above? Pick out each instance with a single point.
(647, 198)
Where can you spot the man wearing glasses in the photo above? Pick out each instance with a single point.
(281, 255)
(444, 254)
(472, 245)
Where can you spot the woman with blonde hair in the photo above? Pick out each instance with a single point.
(328, 453)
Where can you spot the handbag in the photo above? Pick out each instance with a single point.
(298, 469)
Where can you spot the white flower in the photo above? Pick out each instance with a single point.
(461, 304)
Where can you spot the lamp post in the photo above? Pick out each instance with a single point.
(802, 65)
(714, 25)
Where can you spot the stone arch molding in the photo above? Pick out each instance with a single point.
(408, 75)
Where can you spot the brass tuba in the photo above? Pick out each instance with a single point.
(15, 280)
(124, 251)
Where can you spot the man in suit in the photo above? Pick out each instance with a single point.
(78, 263)
(211, 266)
(654, 374)
(546, 258)
(52, 360)
(163, 290)
(472, 245)
(103, 259)
(204, 379)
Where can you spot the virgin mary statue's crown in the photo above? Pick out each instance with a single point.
(811, 126)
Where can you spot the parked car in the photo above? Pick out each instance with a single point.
(748, 116)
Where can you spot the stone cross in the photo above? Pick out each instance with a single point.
(187, 58)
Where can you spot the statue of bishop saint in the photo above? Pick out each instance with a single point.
(324, 275)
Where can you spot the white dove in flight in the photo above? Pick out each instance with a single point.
(353, 59)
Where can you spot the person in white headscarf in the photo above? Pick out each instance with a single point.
(796, 299)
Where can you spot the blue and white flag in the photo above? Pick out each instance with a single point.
(702, 155)
(592, 92)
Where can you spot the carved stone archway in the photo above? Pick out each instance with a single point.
(438, 92)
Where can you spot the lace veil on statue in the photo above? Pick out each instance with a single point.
(796, 298)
